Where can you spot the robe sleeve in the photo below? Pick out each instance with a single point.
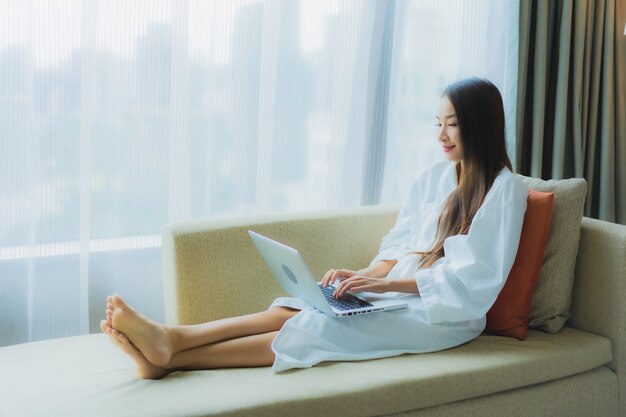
(397, 241)
(464, 284)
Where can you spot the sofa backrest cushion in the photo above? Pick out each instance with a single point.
(553, 294)
(509, 314)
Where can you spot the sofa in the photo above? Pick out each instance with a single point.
(212, 270)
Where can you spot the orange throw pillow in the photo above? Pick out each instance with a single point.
(509, 314)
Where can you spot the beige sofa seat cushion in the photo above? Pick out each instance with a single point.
(87, 376)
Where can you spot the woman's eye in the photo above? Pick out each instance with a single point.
(438, 124)
(452, 125)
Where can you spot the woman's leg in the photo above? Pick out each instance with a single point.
(158, 342)
(242, 352)
(247, 351)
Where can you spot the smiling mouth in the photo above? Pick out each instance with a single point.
(448, 148)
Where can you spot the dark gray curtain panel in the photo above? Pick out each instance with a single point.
(571, 114)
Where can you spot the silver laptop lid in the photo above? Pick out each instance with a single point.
(291, 272)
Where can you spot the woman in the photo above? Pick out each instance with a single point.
(448, 256)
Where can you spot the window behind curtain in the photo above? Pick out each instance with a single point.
(120, 116)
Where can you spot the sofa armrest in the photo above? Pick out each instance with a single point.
(208, 264)
(598, 298)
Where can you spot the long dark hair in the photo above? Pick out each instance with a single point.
(480, 114)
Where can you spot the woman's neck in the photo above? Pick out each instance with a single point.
(459, 171)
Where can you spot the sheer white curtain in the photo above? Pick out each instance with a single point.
(120, 116)
(435, 44)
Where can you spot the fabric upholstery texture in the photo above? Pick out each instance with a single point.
(553, 293)
(591, 394)
(509, 314)
(598, 301)
(98, 380)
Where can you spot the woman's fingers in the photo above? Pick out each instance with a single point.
(338, 288)
(326, 278)
(346, 284)
(334, 274)
(329, 277)
(339, 273)
(360, 283)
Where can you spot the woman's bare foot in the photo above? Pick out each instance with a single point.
(148, 337)
(145, 369)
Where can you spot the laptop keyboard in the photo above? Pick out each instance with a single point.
(346, 302)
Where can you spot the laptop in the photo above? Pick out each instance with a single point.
(295, 277)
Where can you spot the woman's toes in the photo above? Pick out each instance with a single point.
(124, 341)
(119, 337)
(118, 302)
(103, 326)
(145, 369)
(147, 337)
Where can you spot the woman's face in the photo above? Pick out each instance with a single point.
(449, 133)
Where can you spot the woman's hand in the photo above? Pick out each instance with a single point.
(362, 283)
(379, 270)
(335, 274)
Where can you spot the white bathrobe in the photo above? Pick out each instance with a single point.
(455, 293)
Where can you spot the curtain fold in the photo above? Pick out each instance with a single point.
(570, 108)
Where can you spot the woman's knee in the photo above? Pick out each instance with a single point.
(284, 313)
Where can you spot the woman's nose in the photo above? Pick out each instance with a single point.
(441, 134)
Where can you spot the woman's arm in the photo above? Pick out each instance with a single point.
(368, 279)
(363, 283)
(403, 285)
(378, 270)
